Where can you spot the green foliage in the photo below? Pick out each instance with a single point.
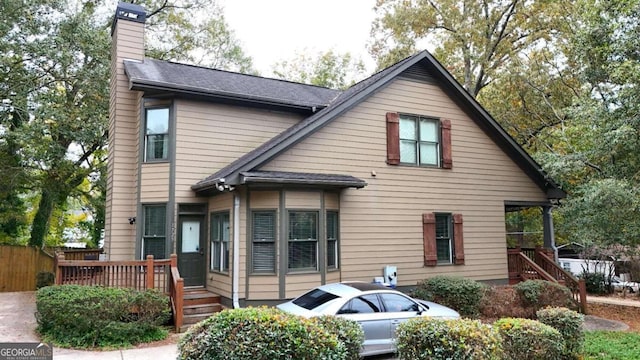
(529, 339)
(260, 334)
(426, 338)
(606, 345)
(328, 69)
(348, 332)
(538, 294)
(44, 278)
(463, 295)
(595, 283)
(569, 323)
(91, 316)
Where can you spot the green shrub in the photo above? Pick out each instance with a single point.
(347, 331)
(595, 283)
(461, 294)
(429, 338)
(569, 324)
(92, 316)
(259, 334)
(526, 339)
(539, 294)
(44, 278)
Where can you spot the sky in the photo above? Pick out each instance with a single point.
(274, 30)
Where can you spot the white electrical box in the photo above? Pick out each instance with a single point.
(390, 274)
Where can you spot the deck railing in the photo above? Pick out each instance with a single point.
(137, 274)
(176, 293)
(577, 286)
(539, 264)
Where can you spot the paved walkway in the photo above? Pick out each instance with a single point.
(18, 323)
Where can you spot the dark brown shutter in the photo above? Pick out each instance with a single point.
(429, 239)
(447, 162)
(458, 239)
(393, 138)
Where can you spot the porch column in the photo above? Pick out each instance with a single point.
(547, 221)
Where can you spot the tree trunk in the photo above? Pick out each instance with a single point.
(40, 226)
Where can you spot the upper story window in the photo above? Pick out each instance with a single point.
(419, 140)
(156, 137)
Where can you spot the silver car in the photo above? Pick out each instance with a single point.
(377, 309)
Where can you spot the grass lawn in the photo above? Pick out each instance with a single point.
(611, 345)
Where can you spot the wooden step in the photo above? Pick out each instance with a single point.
(195, 318)
(200, 297)
(202, 309)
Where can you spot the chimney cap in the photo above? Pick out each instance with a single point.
(128, 11)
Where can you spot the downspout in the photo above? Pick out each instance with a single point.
(236, 250)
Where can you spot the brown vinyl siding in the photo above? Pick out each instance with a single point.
(382, 223)
(124, 106)
(302, 200)
(154, 182)
(300, 283)
(210, 136)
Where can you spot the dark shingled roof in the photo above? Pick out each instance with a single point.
(283, 177)
(180, 78)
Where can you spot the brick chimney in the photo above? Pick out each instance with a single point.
(127, 34)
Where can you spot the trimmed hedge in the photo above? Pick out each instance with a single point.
(569, 324)
(460, 294)
(267, 334)
(347, 331)
(93, 316)
(539, 294)
(427, 338)
(526, 339)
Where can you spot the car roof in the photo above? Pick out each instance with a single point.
(350, 288)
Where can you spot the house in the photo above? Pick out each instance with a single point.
(266, 188)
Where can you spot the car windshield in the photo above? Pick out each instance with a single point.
(314, 298)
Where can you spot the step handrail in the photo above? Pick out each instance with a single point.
(577, 286)
(176, 293)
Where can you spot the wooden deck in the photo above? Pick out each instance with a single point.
(160, 274)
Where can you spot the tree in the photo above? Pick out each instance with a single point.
(54, 62)
(599, 161)
(475, 39)
(328, 69)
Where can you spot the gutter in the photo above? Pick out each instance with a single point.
(236, 251)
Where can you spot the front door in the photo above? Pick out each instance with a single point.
(191, 250)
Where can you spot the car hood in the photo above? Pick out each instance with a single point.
(439, 311)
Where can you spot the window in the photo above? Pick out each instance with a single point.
(332, 240)
(220, 241)
(264, 241)
(366, 304)
(156, 134)
(314, 298)
(443, 239)
(303, 240)
(153, 231)
(398, 303)
(418, 140)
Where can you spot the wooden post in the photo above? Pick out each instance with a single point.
(174, 260)
(150, 272)
(58, 259)
(583, 295)
(179, 301)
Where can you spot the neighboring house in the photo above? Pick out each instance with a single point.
(265, 188)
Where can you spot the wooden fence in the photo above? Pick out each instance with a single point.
(19, 266)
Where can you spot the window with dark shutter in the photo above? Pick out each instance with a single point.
(442, 239)
(393, 138)
(263, 242)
